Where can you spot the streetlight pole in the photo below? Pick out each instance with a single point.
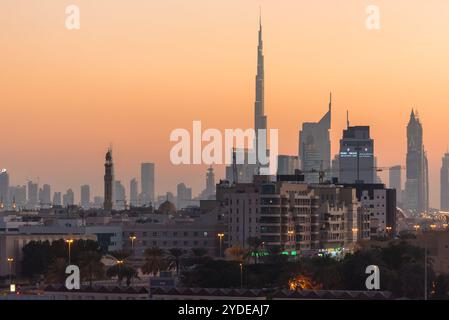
(69, 244)
(119, 264)
(132, 238)
(220, 236)
(241, 275)
(10, 261)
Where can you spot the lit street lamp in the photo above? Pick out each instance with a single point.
(132, 238)
(241, 275)
(10, 261)
(69, 244)
(220, 236)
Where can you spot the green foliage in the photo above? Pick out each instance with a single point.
(42, 258)
(401, 272)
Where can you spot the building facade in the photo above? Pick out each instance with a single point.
(356, 158)
(315, 146)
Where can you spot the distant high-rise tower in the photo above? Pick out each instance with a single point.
(108, 181)
(133, 192)
(119, 196)
(184, 195)
(444, 175)
(287, 164)
(356, 158)
(4, 186)
(33, 189)
(210, 181)
(45, 196)
(147, 183)
(69, 198)
(416, 185)
(57, 199)
(395, 178)
(315, 146)
(260, 120)
(85, 196)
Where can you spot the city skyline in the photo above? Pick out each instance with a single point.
(299, 75)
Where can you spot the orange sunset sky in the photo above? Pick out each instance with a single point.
(138, 69)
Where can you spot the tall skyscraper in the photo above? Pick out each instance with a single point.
(444, 178)
(147, 183)
(315, 146)
(416, 185)
(69, 198)
(260, 120)
(85, 197)
(45, 196)
(395, 178)
(119, 196)
(133, 192)
(287, 164)
(184, 195)
(210, 180)
(19, 195)
(356, 159)
(4, 187)
(108, 181)
(32, 195)
(57, 199)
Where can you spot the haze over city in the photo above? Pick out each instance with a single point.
(134, 72)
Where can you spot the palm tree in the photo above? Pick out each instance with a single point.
(254, 244)
(122, 271)
(154, 261)
(91, 265)
(174, 258)
(119, 269)
(121, 254)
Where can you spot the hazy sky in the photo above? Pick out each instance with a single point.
(136, 70)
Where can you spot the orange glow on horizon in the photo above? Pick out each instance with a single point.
(136, 71)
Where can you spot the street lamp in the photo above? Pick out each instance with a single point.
(416, 226)
(10, 261)
(433, 226)
(132, 238)
(69, 244)
(241, 275)
(119, 264)
(220, 236)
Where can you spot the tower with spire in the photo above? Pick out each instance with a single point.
(260, 119)
(108, 181)
(416, 185)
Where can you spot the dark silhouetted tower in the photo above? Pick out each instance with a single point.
(108, 181)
